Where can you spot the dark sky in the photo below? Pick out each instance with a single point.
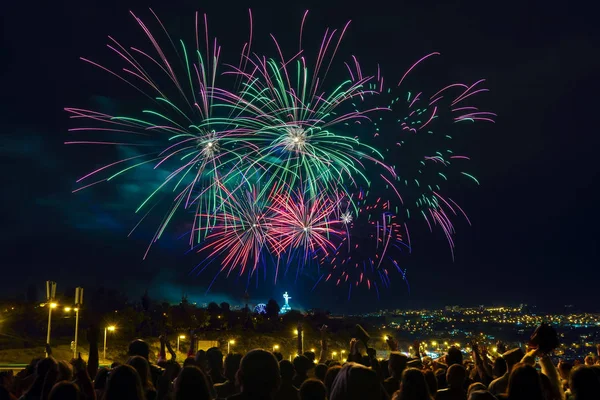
(535, 216)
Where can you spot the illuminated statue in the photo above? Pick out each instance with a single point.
(286, 306)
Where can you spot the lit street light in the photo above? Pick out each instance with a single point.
(231, 342)
(111, 329)
(275, 347)
(333, 355)
(179, 337)
(50, 295)
(67, 309)
(342, 355)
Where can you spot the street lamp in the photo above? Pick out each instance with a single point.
(231, 342)
(312, 350)
(111, 329)
(67, 309)
(333, 355)
(275, 347)
(342, 355)
(179, 337)
(78, 304)
(50, 295)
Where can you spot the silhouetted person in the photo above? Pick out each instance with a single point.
(585, 383)
(287, 390)
(258, 376)
(229, 387)
(100, 382)
(512, 357)
(313, 389)
(302, 365)
(140, 348)
(356, 382)
(396, 366)
(481, 395)
(142, 367)
(431, 381)
(214, 358)
(124, 384)
(330, 376)
(454, 356)
(320, 372)
(41, 370)
(524, 383)
(65, 391)
(413, 386)
(455, 377)
(191, 384)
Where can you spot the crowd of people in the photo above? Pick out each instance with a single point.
(514, 374)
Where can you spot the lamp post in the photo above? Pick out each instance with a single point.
(275, 347)
(333, 355)
(231, 342)
(78, 303)
(50, 295)
(342, 355)
(108, 328)
(179, 337)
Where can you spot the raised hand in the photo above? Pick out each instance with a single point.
(392, 343)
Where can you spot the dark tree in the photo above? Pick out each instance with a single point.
(272, 309)
(225, 308)
(213, 308)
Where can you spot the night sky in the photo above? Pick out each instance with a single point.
(535, 217)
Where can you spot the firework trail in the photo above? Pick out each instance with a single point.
(275, 159)
(369, 253)
(185, 133)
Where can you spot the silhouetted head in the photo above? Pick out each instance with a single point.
(474, 387)
(202, 360)
(431, 380)
(139, 348)
(481, 395)
(65, 390)
(564, 369)
(259, 373)
(45, 365)
(232, 364)
(584, 383)
(41, 370)
(524, 383)
(332, 373)
(302, 364)
(413, 386)
(124, 384)
(356, 382)
(142, 367)
(456, 376)
(191, 384)
(313, 389)
(214, 357)
(397, 364)
(65, 371)
(454, 356)
(100, 380)
(286, 369)
(320, 372)
(310, 355)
